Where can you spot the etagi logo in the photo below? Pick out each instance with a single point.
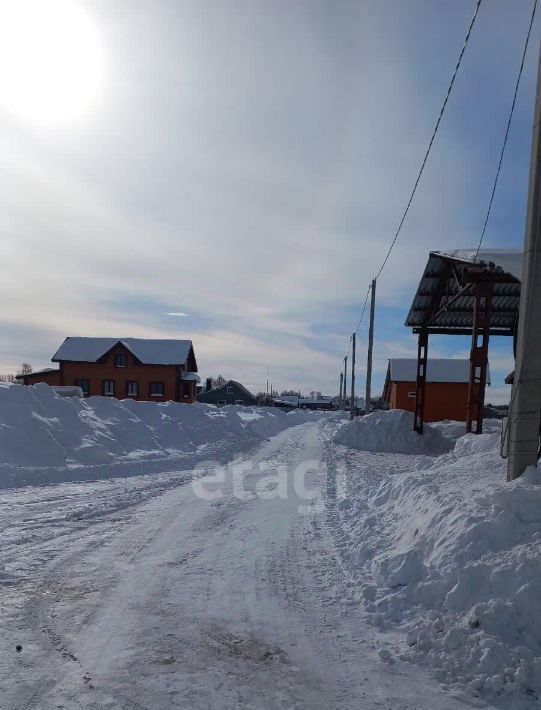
(309, 483)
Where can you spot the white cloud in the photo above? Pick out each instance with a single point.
(256, 183)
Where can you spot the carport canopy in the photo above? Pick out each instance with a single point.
(444, 302)
(465, 292)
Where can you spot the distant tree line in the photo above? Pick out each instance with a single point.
(25, 369)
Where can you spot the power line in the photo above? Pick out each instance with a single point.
(434, 132)
(507, 129)
(360, 320)
(364, 309)
(423, 164)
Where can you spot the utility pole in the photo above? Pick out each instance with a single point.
(524, 411)
(370, 345)
(345, 381)
(352, 407)
(340, 395)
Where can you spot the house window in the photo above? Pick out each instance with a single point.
(108, 388)
(221, 402)
(230, 390)
(239, 401)
(84, 385)
(132, 388)
(156, 389)
(121, 361)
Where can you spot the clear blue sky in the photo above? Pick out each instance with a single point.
(246, 163)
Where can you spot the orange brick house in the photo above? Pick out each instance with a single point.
(446, 395)
(134, 368)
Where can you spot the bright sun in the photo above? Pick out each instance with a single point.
(51, 62)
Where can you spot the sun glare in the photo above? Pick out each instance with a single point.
(51, 62)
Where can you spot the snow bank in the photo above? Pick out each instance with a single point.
(47, 438)
(452, 554)
(391, 432)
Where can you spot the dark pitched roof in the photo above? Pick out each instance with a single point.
(228, 383)
(41, 372)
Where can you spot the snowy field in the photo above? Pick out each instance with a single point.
(248, 558)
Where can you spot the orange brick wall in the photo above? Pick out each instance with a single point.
(443, 400)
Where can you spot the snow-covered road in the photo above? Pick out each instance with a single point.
(142, 594)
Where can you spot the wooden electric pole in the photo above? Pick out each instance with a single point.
(340, 395)
(525, 409)
(370, 345)
(345, 381)
(352, 403)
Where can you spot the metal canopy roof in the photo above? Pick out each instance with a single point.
(444, 300)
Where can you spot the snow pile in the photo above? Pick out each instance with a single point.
(391, 432)
(40, 430)
(452, 554)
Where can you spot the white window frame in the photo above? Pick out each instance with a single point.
(108, 388)
(230, 390)
(156, 394)
(123, 355)
(239, 402)
(129, 387)
(222, 402)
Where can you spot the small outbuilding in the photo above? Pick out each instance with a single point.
(50, 375)
(465, 292)
(446, 388)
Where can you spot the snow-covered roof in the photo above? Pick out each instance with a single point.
(509, 260)
(402, 369)
(289, 398)
(444, 301)
(41, 372)
(312, 400)
(149, 352)
(191, 377)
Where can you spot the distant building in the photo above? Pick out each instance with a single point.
(446, 394)
(282, 404)
(287, 400)
(50, 375)
(318, 402)
(294, 398)
(231, 392)
(131, 368)
(359, 403)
